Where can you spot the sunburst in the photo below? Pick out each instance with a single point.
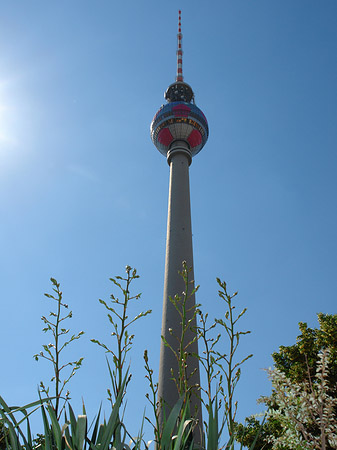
(7, 119)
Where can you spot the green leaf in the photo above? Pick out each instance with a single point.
(171, 423)
(81, 431)
(47, 433)
(55, 427)
(114, 418)
(180, 435)
(96, 426)
(213, 433)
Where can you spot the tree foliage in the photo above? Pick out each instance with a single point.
(295, 360)
(304, 388)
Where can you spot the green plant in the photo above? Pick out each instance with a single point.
(217, 365)
(294, 360)
(222, 370)
(298, 364)
(73, 435)
(254, 431)
(232, 371)
(15, 438)
(209, 359)
(120, 321)
(182, 350)
(306, 411)
(177, 432)
(153, 399)
(52, 351)
(180, 417)
(3, 435)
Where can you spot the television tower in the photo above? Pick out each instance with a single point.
(179, 130)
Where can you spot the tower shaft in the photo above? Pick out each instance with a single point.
(179, 130)
(178, 249)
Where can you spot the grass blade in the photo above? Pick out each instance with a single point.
(170, 424)
(57, 434)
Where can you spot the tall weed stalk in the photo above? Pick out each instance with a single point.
(52, 352)
(117, 312)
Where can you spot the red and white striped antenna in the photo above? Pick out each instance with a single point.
(179, 52)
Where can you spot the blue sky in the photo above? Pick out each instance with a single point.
(83, 191)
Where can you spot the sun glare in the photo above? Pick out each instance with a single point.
(9, 123)
(5, 135)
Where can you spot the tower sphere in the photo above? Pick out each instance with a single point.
(179, 121)
(179, 126)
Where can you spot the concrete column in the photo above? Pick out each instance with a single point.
(178, 249)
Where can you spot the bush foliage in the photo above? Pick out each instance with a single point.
(302, 409)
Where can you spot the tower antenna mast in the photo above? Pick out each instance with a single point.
(179, 76)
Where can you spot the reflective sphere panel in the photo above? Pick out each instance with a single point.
(179, 121)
